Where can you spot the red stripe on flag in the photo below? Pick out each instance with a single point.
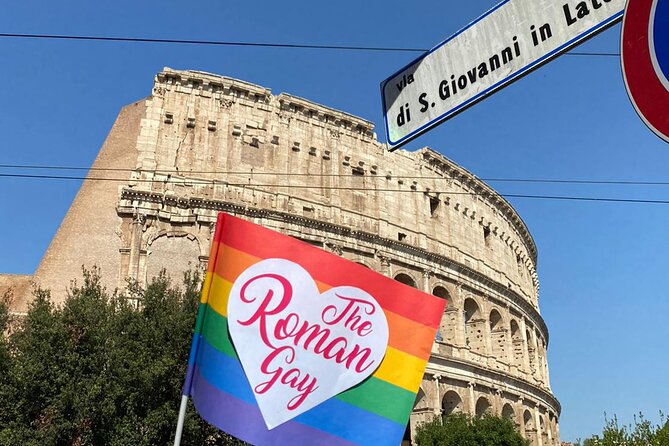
(328, 268)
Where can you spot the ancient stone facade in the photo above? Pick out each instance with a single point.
(203, 143)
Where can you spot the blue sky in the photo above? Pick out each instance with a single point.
(601, 265)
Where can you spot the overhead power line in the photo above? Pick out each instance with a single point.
(333, 175)
(240, 44)
(208, 42)
(340, 188)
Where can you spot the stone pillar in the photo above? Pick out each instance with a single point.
(437, 394)
(497, 404)
(537, 427)
(472, 398)
(521, 416)
(557, 430)
(545, 364)
(488, 337)
(509, 339)
(384, 262)
(549, 429)
(459, 328)
(526, 354)
(535, 344)
(427, 274)
(136, 246)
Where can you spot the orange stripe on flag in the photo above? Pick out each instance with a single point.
(405, 334)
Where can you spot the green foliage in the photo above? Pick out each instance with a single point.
(641, 433)
(464, 430)
(99, 370)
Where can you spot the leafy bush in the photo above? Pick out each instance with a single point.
(461, 429)
(101, 370)
(641, 433)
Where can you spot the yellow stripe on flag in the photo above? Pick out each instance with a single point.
(218, 295)
(401, 369)
(204, 298)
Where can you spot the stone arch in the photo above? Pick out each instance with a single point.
(474, 326)
(495, 320)
(175, 252)
(518, 344)
(406, 279)
(442, 293)
(528, 427)
(528, 422)
(451, 403)
(482, 406)
(498, 334)
(509, 412)
(363, 264)
(447, 325)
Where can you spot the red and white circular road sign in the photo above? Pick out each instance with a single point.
(645, 61)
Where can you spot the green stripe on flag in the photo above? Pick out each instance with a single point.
(373, 394)
(382, 398)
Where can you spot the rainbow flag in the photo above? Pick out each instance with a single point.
(373, 412)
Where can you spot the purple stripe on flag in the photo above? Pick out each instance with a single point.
(189, 380)
(191, 363)
(245, 421)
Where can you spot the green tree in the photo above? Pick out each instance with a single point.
(464, 430)
(100, 369)
(641, 433)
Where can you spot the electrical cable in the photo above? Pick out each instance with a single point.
(241, 44)
(338, 188)
(341, 175)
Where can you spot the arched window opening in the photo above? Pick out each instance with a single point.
(175, 253)
(498, 333)
(451, 403)
(449, 319)
(482, 406)
(406, 279)
(443, 293)
(508, 412)
(528, 424)
(474, 326)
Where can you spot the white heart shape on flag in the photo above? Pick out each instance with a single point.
(299, 347)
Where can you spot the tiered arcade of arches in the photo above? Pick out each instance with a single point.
(498, 340)
(536, 422)
(485, 330)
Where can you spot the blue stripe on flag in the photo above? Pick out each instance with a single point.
(333, 416)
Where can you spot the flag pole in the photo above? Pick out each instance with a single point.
(199, 322)
(180, 421)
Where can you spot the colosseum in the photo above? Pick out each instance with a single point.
(204, 143)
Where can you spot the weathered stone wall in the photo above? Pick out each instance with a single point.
(204, 143)
(18, 287)
(89, 234)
